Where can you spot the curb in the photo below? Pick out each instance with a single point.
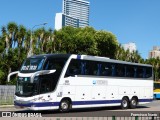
(6, 106)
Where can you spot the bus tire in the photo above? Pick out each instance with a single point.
(125, 103)
(65, 105)
(133, 103)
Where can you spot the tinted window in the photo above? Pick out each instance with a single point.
(86, 67)
(91, 68)
(46, 85)
(106, 69)
(83, 67)
(148, 72)
(74, 68)
(140, 72)
(54, 64)
(32, 65)
(120, 70)
(130, 71)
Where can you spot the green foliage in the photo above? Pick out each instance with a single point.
(67, 40)
(2, 76)
(106, 44)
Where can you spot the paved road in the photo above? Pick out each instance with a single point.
(97, 112)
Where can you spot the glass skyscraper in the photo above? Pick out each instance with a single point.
(74, 13)
(78, 9)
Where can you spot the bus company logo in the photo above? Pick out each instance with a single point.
(67, 82)
(94, 82)
(6, 114)
(102, 82)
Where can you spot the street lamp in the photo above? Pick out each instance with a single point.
(30, 49)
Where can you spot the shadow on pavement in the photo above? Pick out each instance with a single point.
(80, 111)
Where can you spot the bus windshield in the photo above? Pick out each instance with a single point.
(42, 83)
(32, 65)
(25, 88)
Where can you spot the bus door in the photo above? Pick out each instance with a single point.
(45, 91)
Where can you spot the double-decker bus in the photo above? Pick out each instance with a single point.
(66, 81)
(157, 90)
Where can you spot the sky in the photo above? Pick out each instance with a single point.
(135, 21)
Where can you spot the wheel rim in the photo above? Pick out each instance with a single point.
(64, 106)
(124, 103)
(134, 102)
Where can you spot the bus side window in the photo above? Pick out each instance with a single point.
(144, 72)
(91, 68)
(46, 85)
(135, 72)
(140, 72)
(83, 67)
(125, 69)
(99, 69)
(148, 72)
(130, 71)
(73, 68)
(113, 70)
(120, 70)
(106, 69)
(96, 68)
(49, 65)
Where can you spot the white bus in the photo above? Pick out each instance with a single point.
(64, 81)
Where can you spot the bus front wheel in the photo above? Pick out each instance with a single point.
(125, 103)
(65, 105)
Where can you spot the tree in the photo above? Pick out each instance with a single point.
(38, 38)
(12, 29)
(51, 44)
(107, 44)
(21, 35)
(76, 40)
(15, 44)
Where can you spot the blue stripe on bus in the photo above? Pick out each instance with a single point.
(145, 100)
(47, 104)
(95, 102)
(78, 56)
(39, 104)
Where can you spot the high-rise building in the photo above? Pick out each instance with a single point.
(74, 13)
(78, 9)
(130, 46)
(155, 52)
(65, 20)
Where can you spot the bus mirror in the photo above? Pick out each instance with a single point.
(51, 71)
(10, 74)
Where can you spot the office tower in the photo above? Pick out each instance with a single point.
(65, 20)
(155, 53)
(78, 9)
(74, 13)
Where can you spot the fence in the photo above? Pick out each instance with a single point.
(7, 94)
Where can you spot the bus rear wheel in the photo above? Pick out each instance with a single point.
(125, 103)
(65, 105)
(133, 103)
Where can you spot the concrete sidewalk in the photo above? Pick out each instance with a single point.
(10, 108)
(5, 106)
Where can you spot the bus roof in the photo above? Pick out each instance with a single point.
(87, 57)
(105, 59)
(51, 56)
